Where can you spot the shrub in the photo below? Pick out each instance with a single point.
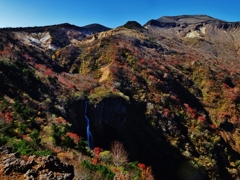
(73, 136)
(60, 135)
(23, 147)
(68, 142)
(108, 174)
(7, 129)
(3, 139)
(142, 166)
(58, 132)
(42, 152)
(63, 137)
(97, 151)
(23, 128)
(27, 148)
(35, 137)
(81, 146)
(105, 156)
(25, 112)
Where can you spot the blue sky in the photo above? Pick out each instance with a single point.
(111, 13)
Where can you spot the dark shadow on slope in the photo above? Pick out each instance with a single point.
(18, 78)
(227, 126)
(222, 158)
(148, 145)
(185, 96)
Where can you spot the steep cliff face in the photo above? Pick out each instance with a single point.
(107, 119)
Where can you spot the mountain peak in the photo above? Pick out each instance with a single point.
(95, 27)
(189, 19)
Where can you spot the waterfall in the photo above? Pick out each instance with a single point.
(89, 134)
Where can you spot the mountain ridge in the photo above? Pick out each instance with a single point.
(56, 25)
(183, 20)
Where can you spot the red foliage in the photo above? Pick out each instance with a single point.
(91, 90)
(193, 115)
(213, 126)
(97, 150)
(225, 85)
(174, 97)
(151, 77)
(60, 120)
(71, 86)
(7, 116)
(134, 79)
(142, 166)
(28, 57)
(48, 72)
(166, 112)
(115, 170)
(73, 136)
(40, 67)
(202, 118)
(192, 112)
(142, 61)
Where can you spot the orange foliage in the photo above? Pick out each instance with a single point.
(95, 160)
(60, 120)
(73, 136)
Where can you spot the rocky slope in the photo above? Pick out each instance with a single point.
(168, 90)
(33, 167)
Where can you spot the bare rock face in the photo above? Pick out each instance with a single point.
(111, 112)
(33, 167)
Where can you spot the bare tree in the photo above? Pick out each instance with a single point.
(119, 155)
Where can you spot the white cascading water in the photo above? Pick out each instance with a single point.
(89, 134)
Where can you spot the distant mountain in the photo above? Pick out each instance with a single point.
(174, 21)
(167, 91)
(56, 36)
(188, 19)
(96, 28)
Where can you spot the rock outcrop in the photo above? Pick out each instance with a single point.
(33, 167)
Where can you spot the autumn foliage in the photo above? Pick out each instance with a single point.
(73, 136)
(7, 116)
